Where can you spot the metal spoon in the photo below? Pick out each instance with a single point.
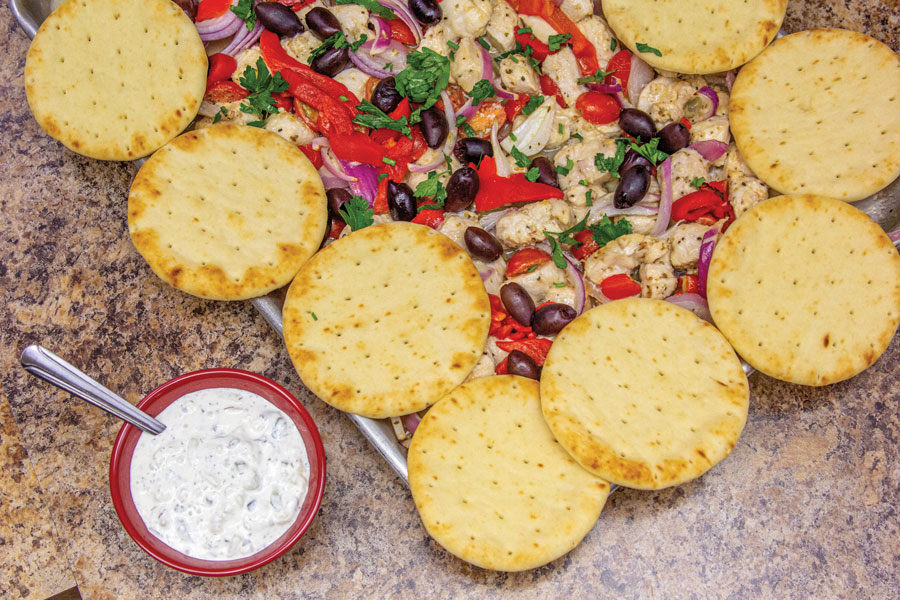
(42, 363)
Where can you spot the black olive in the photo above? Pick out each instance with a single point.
(673, 137)
(327, 230)
(472, 150)
(482, 245)
(331, 62)
(336, 199)
(551, 318)
(428, 12)
(546, 171)
(401, 201)
(632, 187)
(518, 302)
(279, 19)
(189, 7)
(637, 123)
(632, 158)
(434, 127)
(461, 189)
(519, 363)
(322, 22)
(385, 96)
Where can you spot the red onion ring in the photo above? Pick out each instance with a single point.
(450, 115)
(411, 422)
(503, 94)
(665, 202)
(376, 66)
(243, 39)
(729, 79)
(692, 302)
(706, 252)
(640, 75)
(333, 164)
(402, 11)
(578, 280)
(503, 168)
(366, 180)
(713, 97)
(382, 38)
(614, 88)
(467, 109)
(331, 182)
(429, 167)
(894, 236)
(219, 27)
(487, 66)
(711, 150)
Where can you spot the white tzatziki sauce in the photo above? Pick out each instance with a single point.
(225, 479)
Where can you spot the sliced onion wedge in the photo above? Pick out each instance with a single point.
(665, 201)
(577, 280)
(711, 150)
(534, 132)
(641, 74)
(706, 251)
(693, 302)
(500, 159)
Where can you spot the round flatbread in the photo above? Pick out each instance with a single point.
(115, 79)
(806, 289)
(387, 320)
(492, 485)
(644, 393)
(227, 212)
(695, 36)
(819, 113)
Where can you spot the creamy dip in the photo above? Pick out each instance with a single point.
(225, 479)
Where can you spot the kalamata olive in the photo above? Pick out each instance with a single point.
(434, 127)
(279, 19)
(637, 123)
(551, 318)
(385, 96)
(632, 187)
(189, 7)
(518, 303)
(472, 150)
(322, 22)
(336, 199)
(519, 363)
(327, 230)
(546, 171)
(401, 201)
(632, 158)
(428, 12)
(482, 245)
(461, 189)
(331, 62)
(673, 137)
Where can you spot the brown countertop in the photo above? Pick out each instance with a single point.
(804, 507)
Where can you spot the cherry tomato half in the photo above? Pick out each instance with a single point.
(598, 108)
(523, 261)
(616, 287)
(222, 92)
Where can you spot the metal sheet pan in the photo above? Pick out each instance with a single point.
(883, 207)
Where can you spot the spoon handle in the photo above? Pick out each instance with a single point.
(42, 363)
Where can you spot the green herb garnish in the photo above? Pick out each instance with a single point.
(244, 11)
(650, 151)
(343, 98)
(559, 128)
(388, 161)
(357, 213)
(220, 115)
(373, 6)
(565, 170)
(467, 129)
(589, 198)
(426, 75)
(373, 117)
(612, 163)
(338, 40)
(604, 231)
(577, 136)
(484, 43)
(642, 47)
(481, 90)
(555, 42)
(524, 30)
(433, 188)
(261, 84)
(565, 237)
(598, 77)
(532, 104)
(452, 45)
(612, 45)
(533, 174)
(313, 315)
(381, 176)
(559, 284)
(697, 182)
(521, 159)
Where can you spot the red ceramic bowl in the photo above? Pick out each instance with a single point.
(159, 399)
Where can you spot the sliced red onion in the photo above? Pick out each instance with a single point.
(665, 201)
(593, 291)
(487, 66)
(711, 150)
(614, 88)
(729, 79)
(450, 115)
(895, 236)
(489, 220)
(330, 182)
(437, 162)
(486, 274)
(243, 39)
(641, 74)
(366, 184)
(375, 67)
(578, 281)
(500, 159)
(467, 109)
(382, 37)
(406, 16)
(411, 422)
(713, 98)
(219, 27)
(693, 302)
(503, 94)
(334, 165)
(623, 101)
(320, 142)
(598, 210)
(706, 252)
(208, 109)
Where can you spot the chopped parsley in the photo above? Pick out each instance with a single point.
(555, 42)
(559, 284)
(642, 47)
(697, 182)
(532, 104)
(460, 119)
(604, 231)
(452, 45)
(244, 11)
(650, 151)
(220, 115)
(313, 315)
(381, 176)
(338, 40)
(565, 170)
(373, 6)
(559, 128)
(513, 137)
(483, 89)
(525, 51)
(343, 98)
(388, 161)
(612, 163)
(524, 30)
(261, 84)
(589, 198)
(426, 75)
(357, 213)
(375, 118)
(598, 77)
(533, 174)
(612, 45)
(578, 136)
(484, 43)
(565, 237)
(433, 188)
(521, 159)
(467, 129)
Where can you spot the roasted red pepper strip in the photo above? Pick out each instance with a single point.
(514, 107)
(540, 49)
(616, 287)
(522, 261)
(222, 92)
(588, 245)
(382, 136)
(380, 206)
(221, 67)
(314, 156)
(210, 9)
(495, 191)
(559, 21)
(283, 100)
(334, 118)
(707, 205)
(621, 64)
(503, 326)
(357, 146)
(535, 348)
(549, 88)
(432, 218)
(688, 284)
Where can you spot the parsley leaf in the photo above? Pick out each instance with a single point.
(220, 115)
(555, 42)
(484, 43)
(565, 237)
(612, 163)
(697, 182)
(357, 213)
(426, 75)
(532, 104)
(434, 188)
(261, 84)
(521, 159)
(565, 170)
(373, 6)
(533, 174)
(524, 30)
(642, 47)
(589, 198)
(650, 151)
(452, 45)
(313, 315)
(378, 119)
(467, 129)
(612, 44)
(244, 10)
(338, 40)
(559, 284)
(460, 119)
(578, 136)
(604, 231)
(483, 89)
(598, 77)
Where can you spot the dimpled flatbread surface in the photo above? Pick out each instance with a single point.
(696, 36)
(492, 485)
(115, 79)
(385, 321)
(644, 393)
(806, 289)
(227, 212)
(818, 112)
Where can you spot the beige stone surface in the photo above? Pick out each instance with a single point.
(804, 507)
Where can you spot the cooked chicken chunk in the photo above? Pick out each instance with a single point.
(657, 280)
(623, 255)
(539, 282)
(526, 225)
(502, 26)
(466, 67)
(562, 68)
(517, 76)
(744, 189)
(684, 244)
(467, 18)
(687, 165)
(290, 127)
(664, 99)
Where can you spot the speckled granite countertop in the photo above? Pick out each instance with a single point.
(804, 507)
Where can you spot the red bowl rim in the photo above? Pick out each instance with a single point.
(316, 456)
